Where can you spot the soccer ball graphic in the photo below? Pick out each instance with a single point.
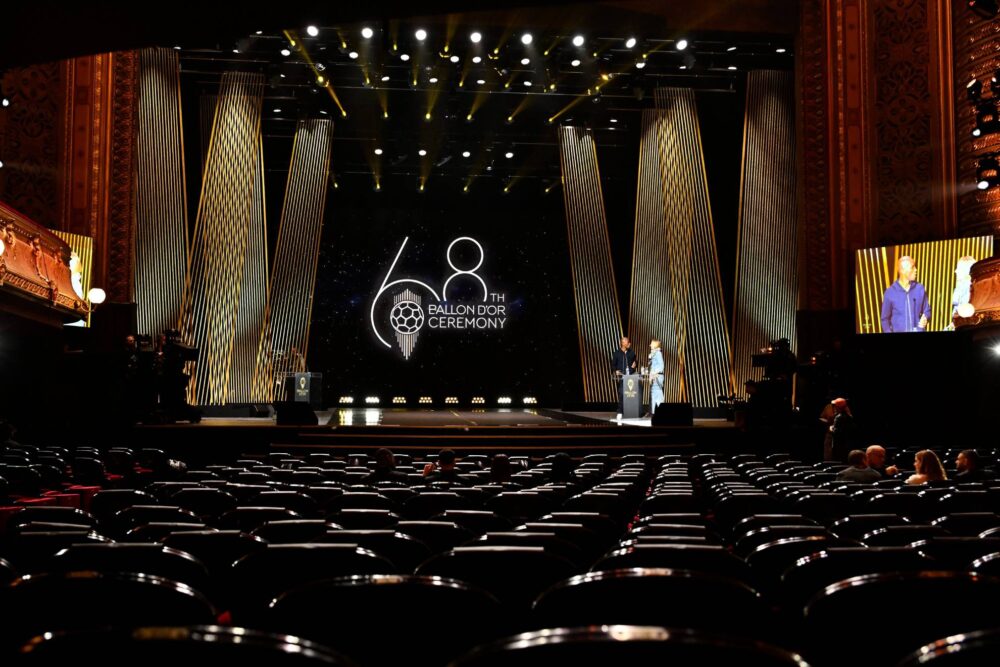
(406, 317)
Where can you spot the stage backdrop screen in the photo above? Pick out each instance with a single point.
(916, 286)
(448, 296)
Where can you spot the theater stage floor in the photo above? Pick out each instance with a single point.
(496, 429)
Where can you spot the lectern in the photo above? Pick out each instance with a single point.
(305, 388)
(631, 388)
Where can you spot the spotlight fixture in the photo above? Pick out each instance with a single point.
(526, 38)
(420, 34)
(681, 44)
(399, 400)
(477, 59)
(1, 164)
(346, 400)
(614, 120)
(504, 400)
(451, 400)
(5, 102)
(177, 48)
(508, 155)
(385, 78)
(731, 49)
(530, 400)
(371, 400)
(630, 42)
(640, 64)
(575, 63)
(378, 151)
(478, 400)
(527, 84)
(779, 50)
(353, 55)
(578, 40)
(312, 30)
(286, 52)
(320, 79)
(404, 57)
(480, 81)
(433, 79)
(367, 32)
(466, 154)
(974, 89)
(421, 152)
(424, 400)
(454, 59)
(476, 37)
(732, 68)
(277, 111)
(987, 172)
(236, 50)
(525, 61)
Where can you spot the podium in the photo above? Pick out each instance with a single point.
(305, 388)
(631, 390)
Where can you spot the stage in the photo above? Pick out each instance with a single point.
(530, 430)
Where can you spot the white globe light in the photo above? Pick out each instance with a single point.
(630, 42)
(526, 38)
(312, 30)
(578, 40)
(477, 59)
(525, 61)
(422, 152)
(640, 64)
(367, 32)
(96, 295)
(453, 59)
(575, 63)
(476, 37)
(286, 52)
(353, 55)
(378, 151)
(682, 44)
(421, 34)
(508, 155)
(466, 154)
(404, 57)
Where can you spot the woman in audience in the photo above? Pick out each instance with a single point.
(928, 468)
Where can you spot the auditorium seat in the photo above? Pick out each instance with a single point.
(769, 561)
(53, 514)
(547, 540)
(748, 543)
(154, 559)
(969, 649)
(430, 620)
(90, 600)
(249, 518)
(289, 531)
(897, 536)
(437, 535)
(294, 501)
(29, 549)
(365, 519)
(922, 607)
(708, 559)
(258, 577)
(7, 572)
(514, 574)
(520, 506)
(217, 550)
(403, 551)
(108, 502)
(755, 521)
(956, 553)
(431, 503)
(987, 564)
(625, 645)
(967, 524)
(208, 504)
(137, 515)
(649, 596)
(167, 646)
(856, 526)
(157, 530)
(476, 522)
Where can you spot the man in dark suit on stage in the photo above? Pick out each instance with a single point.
(622, 363)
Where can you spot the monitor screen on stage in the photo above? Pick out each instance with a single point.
(915, 287)
(442, 296)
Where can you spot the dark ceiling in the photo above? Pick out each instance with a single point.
(401, 95)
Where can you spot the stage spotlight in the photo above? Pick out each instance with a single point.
(476, 37)
(526, 38)
(578, 40)
(371, 400)
(320, 79)
(404, 57)
(286, 52)
(681, 44)
(640, 64)
(433, 79)
(454, 59)
(987, 172)
(630, 42)
(1, 164)
(312, 31)
(525, 61)
(481, 82)
(424, 400)
(530, 400)
(399, 400)
(346, 400)
(236, 50)
(277, 110)
(466, 154)
(478, 400)
(974, 89)
(451, 400)
(378, 151)
(732, 68)
(353, 55)
(614, 120)
(504, 400)
(731, 49)
(527, 83)
(420, 34)
(779, 50)
(367, 32)
(385, 78)
(575, 63)
(508, 155)
(177, 48)
(477, 59)
(422, 152)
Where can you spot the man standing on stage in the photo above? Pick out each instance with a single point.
(905, 306)
(622, 363)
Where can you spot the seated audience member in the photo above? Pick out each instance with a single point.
(500, 470)
(443, 470)
(7, 433)
(385, 469)
(859, 471)
(875, 456)
(970, 468)
(928, 468)
(562, 469)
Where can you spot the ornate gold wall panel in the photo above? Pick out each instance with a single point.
(161, 244)
(767, 286)
(703, 351)
(285, 336)
(227, 273)
(598, 316)
(651, 308)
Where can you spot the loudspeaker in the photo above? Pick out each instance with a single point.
(673, 414)
(291, 413)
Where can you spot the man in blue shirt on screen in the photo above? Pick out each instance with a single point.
(905, 306)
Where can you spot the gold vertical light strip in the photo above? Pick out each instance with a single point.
(598, 316)
(766, 292)
(703, 349)
(651, 307)
(876, 270)
(81, 271)
(231, 202)
(160, 240)
(250, 315)
(285, 334)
